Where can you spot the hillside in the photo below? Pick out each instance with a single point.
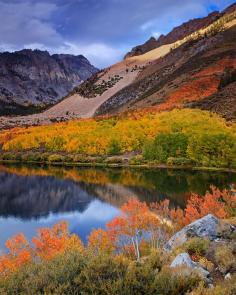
(181, 74)
(180, 32)
(31, 80)
(190, 73)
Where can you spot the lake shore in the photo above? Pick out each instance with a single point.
(119, 165)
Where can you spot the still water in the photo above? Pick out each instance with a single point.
(33, 197)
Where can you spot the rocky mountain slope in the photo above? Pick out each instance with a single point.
(192, 72)
(179, 32)
(35, 79)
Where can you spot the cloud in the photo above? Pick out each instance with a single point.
(99, 54)
(27, 22)
(101, 30)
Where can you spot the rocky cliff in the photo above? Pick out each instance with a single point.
(31, 79)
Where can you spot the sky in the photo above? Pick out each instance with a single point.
(101, 30)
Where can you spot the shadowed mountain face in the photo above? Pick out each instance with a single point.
(30, 80)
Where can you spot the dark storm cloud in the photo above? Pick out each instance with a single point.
(103, 30)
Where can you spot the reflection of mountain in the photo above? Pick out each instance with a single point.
(27, 192)
(35, 196)
(117, 195)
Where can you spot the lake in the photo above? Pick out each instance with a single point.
(34, 196)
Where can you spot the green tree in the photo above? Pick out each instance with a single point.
(166, 145)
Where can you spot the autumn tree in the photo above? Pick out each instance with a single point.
(99, 241)
(51, 242)
(19, 253)
(135, 223)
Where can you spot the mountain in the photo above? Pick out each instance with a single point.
(197, 71)
(179, 32)
(33, 79)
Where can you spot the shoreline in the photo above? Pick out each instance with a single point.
(118, 165)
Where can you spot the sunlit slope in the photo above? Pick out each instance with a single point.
(128, 72)
(192, 69)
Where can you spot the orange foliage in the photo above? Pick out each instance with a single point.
(135, 216)
(19, 253)
(190, 91)
(51, 242)
(217, 203)
(100, 242)
(217, 68)
(222, 204)
(144, 226)
(135, 220)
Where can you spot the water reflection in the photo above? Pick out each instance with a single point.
(32, 197)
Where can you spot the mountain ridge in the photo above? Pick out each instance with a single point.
(179, 32)
(35, 79)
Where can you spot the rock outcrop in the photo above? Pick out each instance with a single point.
(184, 260)
(34, 78)
(204, 227)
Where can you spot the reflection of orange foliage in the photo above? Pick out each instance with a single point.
(94, 176)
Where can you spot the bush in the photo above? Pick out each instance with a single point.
(8, 156)
(114, 160)
(225, 258)
(173, 282)
(207, 264)
(44, 156)
(213, 150)
(136, 160)
(196, 246)
(227, 287)
(166, 145)
(55, 158)
(48, 277)
(102, 275)
(114, 148)
(179, 161)
(32, 157)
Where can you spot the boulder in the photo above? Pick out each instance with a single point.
(184, 260)
(204, 227)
